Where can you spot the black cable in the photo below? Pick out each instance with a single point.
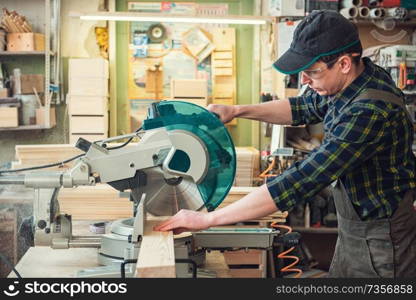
(7, 261)
(65, 161)
(126, 143)
(123, 266)
(42, 166)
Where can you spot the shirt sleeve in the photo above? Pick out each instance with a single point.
(356, 137)
(310, 108)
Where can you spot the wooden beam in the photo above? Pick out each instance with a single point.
(157, 254)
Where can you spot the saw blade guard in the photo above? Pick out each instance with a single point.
(185, 116)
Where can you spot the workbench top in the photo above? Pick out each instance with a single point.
(45, 262)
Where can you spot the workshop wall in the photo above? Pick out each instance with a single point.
(242, 133)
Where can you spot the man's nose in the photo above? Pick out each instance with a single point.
(304, 79)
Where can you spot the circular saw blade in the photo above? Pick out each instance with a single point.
(220, 154)
(167, 197)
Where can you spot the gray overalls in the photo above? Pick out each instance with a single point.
(379, 248)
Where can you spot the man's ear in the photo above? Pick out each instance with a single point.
(345, 64)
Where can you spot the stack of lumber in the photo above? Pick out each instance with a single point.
(248, 164)
(236, 193)
(12, 22)
(100, 202)
(35, 155)
(88, 99)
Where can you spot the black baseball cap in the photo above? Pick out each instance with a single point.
(322, 33)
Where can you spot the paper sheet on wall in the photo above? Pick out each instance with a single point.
(284, 38)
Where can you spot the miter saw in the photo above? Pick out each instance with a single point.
(185, 159)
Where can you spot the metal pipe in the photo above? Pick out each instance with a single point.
(377, 13)
(15, 179)
(92, 242)
(363, 12)
(349, 13)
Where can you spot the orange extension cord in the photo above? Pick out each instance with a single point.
(283, 255)
(268, 169)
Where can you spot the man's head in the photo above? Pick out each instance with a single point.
(326, 50)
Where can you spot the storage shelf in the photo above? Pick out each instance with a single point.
(11, 53)
(24, 127)
(363, 22)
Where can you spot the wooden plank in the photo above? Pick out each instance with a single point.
(157, 254)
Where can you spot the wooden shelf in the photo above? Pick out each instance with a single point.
(24, 127)
(316, 230)
(12, 53)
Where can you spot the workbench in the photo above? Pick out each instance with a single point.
(45, 262)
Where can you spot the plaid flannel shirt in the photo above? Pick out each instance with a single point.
(367, 145)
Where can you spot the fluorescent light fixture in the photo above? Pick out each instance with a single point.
(146, 17)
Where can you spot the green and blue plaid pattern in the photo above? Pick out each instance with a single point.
(367, 145)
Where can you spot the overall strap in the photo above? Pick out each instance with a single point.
(384, 96)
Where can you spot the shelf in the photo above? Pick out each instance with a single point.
(316, 230)
(24, 127)
(11, 53)
(411, 22)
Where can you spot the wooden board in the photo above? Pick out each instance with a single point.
(157, 254)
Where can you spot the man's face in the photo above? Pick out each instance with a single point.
(323, 80)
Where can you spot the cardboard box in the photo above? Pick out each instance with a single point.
(40, 116)
(4, 93)
(9, 117)
(88, 67)
(30, 81)
(286, 8)
(27, 41)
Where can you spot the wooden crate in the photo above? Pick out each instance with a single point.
(88, 86)
(32, 81)
(246, 264)
(87, 105)
(40, 116)
(88, 124)
(248, 165)
(88, 67)
(9, 117)
(27, 41)
(242, 257)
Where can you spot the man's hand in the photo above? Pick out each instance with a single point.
(225, 112)
(186, 220)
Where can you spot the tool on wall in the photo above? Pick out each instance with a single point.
(157, 33)
(154, 80)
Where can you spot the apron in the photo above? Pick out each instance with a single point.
(384, 248)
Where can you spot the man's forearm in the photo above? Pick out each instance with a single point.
(255, 205)
(276, 112)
